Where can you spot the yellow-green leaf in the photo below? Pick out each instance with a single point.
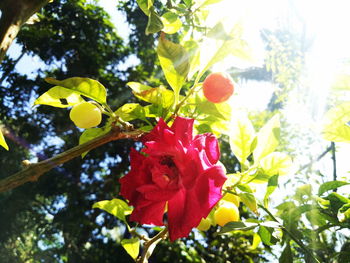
(145, 5)
(132, 246)
(116, 207)
(2, 141)
(215, 50)
(88, 87)
(268, 138)
(131, 111)
(90, 134)
(336, 124)
(242, 135)
(174, 61)
(155, 23)
(159, 96)
(249, 200)
(171, 23)
(59, 97)
(276, 163)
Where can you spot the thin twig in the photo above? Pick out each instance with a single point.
(149, 246)
(334, 162)
(315, 160)
(33, 171)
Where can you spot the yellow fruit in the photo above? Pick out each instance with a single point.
(204, 225)
(232, 198)
(85, 115)
(226, 212)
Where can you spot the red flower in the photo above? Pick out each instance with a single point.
(177, 170)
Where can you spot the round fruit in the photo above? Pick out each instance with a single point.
(218, 87)
(226, 212)
(204, 225)
(85, 115)
(232, 198)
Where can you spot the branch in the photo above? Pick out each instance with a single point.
(334, 162)
(150, 245)
(34, 171)
(13, 15)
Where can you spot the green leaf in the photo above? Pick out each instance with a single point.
(203, 3)
(193, 51)
(155, 23)
(303, 193)
(214, 51)
(249, 200)
(256, 241)
(132, 246)
(159, 96)
(327, 186)
(131, 111)
(245, 188)
(271, 186)
(171, 23)
(336, 124)
(145, 5)
(174, 61)
(59, 97)
(337, 201)
(268, 138)
(266, 236)
(88, 87)
(116, 207)
(242, 135)
(287, 255)
(2, 141)
(218, 32)
(90, 134)
(231, 226)
(276, 163)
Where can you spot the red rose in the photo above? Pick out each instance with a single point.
(176, 169)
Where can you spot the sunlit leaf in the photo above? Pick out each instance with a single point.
(249, 200)
(132, 246)
(145, 5)
(327, 186)
(88, 87)
(287, 255)
(276, 163)
(242, 135)
(271, 186)
(336, 124)
(203, 3)
(231, 226)
(171, 23)
(266, 236)
(90, 134)
(116, 207)
(268, 138)
(2, 141)
(215, 50)
(174, 62)
(155, 23)
(59, 97)
(193, 51)
(256, 241)
(160, 96)
(131, 111)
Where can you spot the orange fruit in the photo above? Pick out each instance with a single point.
(218, 87)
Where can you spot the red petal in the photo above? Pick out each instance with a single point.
(152, 214)
(183, 129)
